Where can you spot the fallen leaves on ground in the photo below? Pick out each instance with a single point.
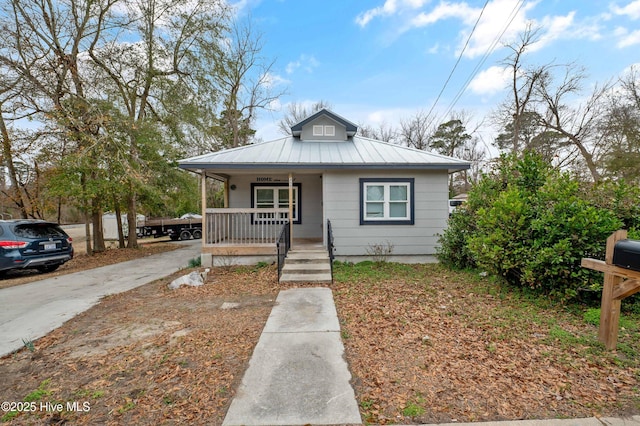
(425, 347)
(423, 344)
(148, 356)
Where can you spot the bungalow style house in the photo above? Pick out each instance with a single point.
(361, 195)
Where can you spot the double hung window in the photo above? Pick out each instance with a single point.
(386, 201)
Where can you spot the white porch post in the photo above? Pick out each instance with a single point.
(226, 193)
(205, 259)
(291, 207)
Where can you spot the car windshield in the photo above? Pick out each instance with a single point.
(38, 230)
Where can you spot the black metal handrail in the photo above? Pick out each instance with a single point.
(282, 246)
(330, 246)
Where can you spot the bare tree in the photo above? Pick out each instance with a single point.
(384, 132)
(416, 131)
(296, 112)
(245, 81)
(577, 122)
(620, 126)
(515, 113)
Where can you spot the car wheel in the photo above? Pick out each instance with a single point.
(48, 268)
(197, 234)
(185, 235)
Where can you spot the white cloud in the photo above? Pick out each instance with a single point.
(390, 7)
(632, 10)
(490, 81)
(501, 18)
(628, 39)
(306, 62)
(272, 80)
(443, 11)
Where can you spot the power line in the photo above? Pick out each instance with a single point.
(513, 15)
(457, 61)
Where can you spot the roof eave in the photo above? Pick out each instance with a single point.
(197, 167)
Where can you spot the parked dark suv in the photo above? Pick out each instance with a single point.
(33, 244)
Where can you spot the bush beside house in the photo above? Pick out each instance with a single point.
(532, 224)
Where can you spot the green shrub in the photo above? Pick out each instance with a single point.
(452, 250)
(532, 225)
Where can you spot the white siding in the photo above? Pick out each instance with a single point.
(342, 206)
(311, 199)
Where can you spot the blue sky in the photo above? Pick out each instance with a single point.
(378, 61)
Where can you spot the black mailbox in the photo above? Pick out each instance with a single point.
(626, 254)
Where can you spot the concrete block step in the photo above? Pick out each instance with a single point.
(306, 268)
(306, 278)
(307, 255)
(305, 261)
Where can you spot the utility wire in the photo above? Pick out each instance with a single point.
(457, 62)
(489, 51)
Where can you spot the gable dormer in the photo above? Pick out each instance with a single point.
(324, 125)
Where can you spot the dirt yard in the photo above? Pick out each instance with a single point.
(423, 344)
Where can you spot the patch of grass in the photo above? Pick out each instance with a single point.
(196, 262)
(412, 409)
(87, 393)
(8, 416)
(560, 335)
(42, 391)
(366, 404)
(592, 316)
(129, 405)
(261, 265)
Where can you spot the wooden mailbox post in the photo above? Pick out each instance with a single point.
(618, 284)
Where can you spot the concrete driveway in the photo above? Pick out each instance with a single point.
(32, 310)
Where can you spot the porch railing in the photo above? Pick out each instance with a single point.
(282, 246)
(244, 226)
(330, 247)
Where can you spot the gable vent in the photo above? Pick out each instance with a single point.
(319, 130)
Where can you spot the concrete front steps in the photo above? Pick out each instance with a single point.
(307, 265)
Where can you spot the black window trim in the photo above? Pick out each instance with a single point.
(410, 221)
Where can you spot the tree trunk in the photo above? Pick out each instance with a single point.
(588, 159)
(16, 193)
(132, 239)
(87, 233)
(119, 223)
(98, 236)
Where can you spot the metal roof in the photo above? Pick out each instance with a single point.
(292, 153)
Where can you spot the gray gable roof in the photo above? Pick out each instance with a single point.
(296, 129)
(291, 153)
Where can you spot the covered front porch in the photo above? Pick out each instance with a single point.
(254, 223)
(244, 231)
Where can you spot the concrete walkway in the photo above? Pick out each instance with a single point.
(297, 374)
(30, 311)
